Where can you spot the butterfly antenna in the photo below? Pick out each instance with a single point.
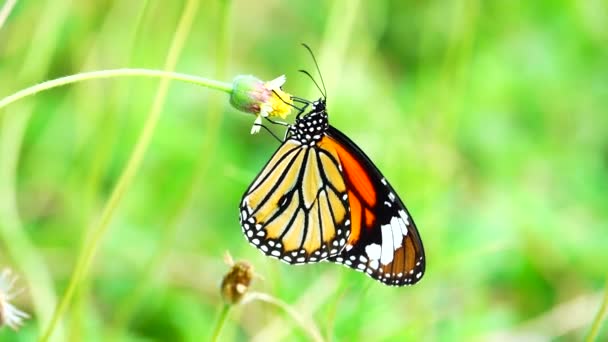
(313, 81)
(324, 92)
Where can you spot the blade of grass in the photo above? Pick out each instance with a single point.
(170, 228)
(6, 11)
(337, 34)
(99, 127)
(92, 244)
(42, 46)
(599, 317)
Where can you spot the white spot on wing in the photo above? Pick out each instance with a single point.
(373, 251)
(397, 234)
(402, 226)
(404, 216)
(387, 244)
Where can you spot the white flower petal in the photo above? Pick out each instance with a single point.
(265, 109)
(256, 125)
(277, 83)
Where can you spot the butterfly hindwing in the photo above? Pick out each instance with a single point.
(384, 240)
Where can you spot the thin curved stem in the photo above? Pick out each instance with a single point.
(304, 324)
(101, 74)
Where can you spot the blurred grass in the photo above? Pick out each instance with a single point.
(488, 117)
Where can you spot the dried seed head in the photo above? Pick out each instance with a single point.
(236, 282)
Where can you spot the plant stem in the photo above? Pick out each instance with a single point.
(221, 320)
(91, 75)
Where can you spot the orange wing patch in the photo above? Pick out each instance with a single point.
(355, 173)
(361, 193)
(370, 218)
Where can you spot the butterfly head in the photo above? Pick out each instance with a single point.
(310, 128)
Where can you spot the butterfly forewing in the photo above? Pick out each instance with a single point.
(296, 209)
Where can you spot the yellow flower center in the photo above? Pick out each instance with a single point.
(280, 102)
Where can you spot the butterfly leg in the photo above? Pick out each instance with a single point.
(302, 109)
(256, 124)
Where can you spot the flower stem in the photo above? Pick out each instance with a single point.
(221, 320)
(91, 75)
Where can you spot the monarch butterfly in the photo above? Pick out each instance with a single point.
(320, 198)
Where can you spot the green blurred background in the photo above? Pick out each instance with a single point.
(488, 117)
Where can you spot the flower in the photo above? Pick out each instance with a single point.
(9, 314)
(263, 99)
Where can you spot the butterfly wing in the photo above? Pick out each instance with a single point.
(296, 209)
(384, 242)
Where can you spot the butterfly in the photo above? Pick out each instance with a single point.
(321, 198)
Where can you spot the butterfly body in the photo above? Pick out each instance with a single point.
(320, 198)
